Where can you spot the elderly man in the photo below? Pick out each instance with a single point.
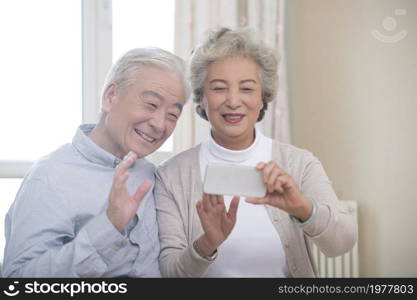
(87, 209)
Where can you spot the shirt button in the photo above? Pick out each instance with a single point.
(119, 245)
(286, 246)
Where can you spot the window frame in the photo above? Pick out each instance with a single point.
(96, 56)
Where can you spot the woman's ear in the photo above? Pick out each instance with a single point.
(202, 108)
(203, 102)
(109, 98)
(262, 110)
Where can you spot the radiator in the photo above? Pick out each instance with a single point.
(346, 265)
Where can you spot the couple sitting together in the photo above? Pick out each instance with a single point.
(97, 208)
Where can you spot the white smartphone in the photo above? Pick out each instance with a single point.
(233, 180)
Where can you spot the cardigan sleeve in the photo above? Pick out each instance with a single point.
(333, 229)
(178, 257)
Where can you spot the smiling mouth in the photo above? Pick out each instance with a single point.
(233, 118)
(145, 137)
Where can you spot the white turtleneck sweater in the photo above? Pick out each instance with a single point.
(254, 248)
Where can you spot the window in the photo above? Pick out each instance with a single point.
(54, 57)
(41, 73)
(41, 69)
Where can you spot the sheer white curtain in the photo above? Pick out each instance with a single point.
(193, 18)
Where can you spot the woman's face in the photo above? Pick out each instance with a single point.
(232, 99)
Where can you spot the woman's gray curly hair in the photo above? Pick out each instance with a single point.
(225, 42)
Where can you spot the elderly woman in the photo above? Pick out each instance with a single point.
(233, 77)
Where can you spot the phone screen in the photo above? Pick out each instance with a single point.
(234, 180)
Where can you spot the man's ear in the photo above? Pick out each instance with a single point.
(109, 98)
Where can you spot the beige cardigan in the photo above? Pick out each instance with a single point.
(178, 187)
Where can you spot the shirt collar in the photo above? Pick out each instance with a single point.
(233, 156)
(90, 150)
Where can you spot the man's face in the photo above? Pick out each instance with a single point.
(142, 115)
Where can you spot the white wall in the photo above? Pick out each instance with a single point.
(354, 104)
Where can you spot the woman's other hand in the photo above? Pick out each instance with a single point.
(217, 222)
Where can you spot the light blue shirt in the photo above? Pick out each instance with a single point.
(58, 226)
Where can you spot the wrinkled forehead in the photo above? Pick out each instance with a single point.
(168, 77)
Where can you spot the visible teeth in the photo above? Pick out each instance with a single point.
(145, 137)
(233, 117)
